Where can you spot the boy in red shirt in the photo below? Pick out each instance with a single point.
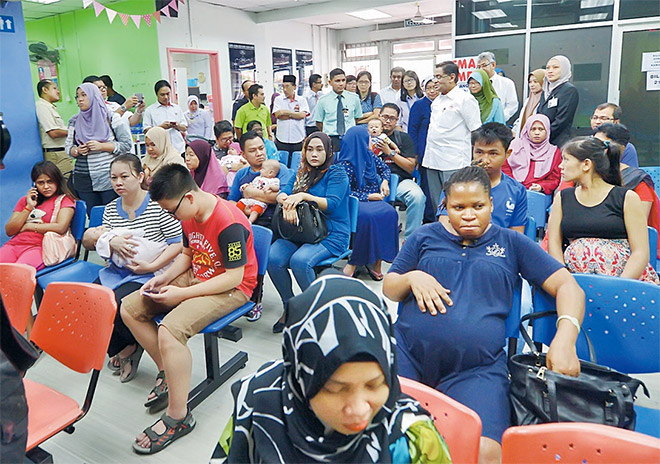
(214, 275)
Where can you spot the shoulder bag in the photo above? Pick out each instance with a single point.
(55, 247)
(311, 228)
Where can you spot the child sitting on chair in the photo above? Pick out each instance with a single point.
(266, 181)
(375, 129)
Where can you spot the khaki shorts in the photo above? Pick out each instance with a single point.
(188, 317)
(61, 160)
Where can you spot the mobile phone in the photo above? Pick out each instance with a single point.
(140, 97)
(172, 123)
(150, 292)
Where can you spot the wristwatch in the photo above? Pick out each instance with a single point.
(123, 108)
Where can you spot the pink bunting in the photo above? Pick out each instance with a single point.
(182, 2)
(174, 5)
(111, 14)
(98, 8)
(157, 16)
(147, 19)
(136, 19)
(124, 18)
(86, 3)
(166, 11)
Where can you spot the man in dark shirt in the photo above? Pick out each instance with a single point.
(113, 96)
(402, 164)
(241, 101)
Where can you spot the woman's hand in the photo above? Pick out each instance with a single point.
(375, 197)
(123, 245)
(385, 188)
(536, 188)
(140, 267)
(562, 358)
(294, 200)
(430, 295)
(82, 150)
(31, 198)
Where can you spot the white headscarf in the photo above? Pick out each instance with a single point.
(195, 99)
(564, 76)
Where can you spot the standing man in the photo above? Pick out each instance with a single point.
(168, 116)
(52, 129)
(454, 115)
(505, 87)
(113, 96)
(290, 111)
(337, 111)
(392, 93)
(254, 110)
(243, 100)
(610, 112)
(312, 96)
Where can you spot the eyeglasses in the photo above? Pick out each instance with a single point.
(229, 138)
(388, 118)
(484, 65)
(601, 118)
(173, 213)
(440, 76)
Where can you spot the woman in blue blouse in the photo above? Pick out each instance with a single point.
(320, 181)
(370, 101)
(377, 235)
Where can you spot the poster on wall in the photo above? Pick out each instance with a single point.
(304, 69)
(47, 70)
(465, 66)
(243, 66)
(282, 65)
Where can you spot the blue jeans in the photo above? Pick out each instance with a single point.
(300, 258)
(412, 195)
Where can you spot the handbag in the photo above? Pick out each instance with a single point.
(311, 227)
(598, 395)
(55, 247)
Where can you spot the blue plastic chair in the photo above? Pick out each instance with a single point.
(537, 207)
(622, 320)
(512, 323)
(394, 184)
(653, 247)
(217, 374)
(284, 157)
(295, 161)
(353, 206)
(530, 228)
(654, 172)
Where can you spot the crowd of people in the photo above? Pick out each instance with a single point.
(177, 234)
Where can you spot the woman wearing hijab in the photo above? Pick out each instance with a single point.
(490, 104)
(335, 395)
(200, 122)
(205, 168)
(326, 184)
(534, 161)
(95, 137)
(535, 85)
(160, 152)
(559, 100)
(377, 236)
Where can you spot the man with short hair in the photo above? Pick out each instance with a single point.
(245, 85)
(454, 115)
(224, 136)
(290, 110)
(168, 116)
(505, 87)
(113, 96)
(337, 111)
(312, 96)
(402, 164)
(254, 110)
(52, 129)
(392, 93)
(611, 112)
(132, 119)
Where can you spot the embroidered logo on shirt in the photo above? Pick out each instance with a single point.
(234, 251)
(496, 251)
(510, 206)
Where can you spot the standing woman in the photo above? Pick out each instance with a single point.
(205, 168)
(200, 122)
(490, 105)
(377, 235)
(411, 91)
(559, 100)
(95, 137)
(535, 86)
(160, 152)
(370, 101)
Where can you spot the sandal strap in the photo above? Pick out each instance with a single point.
(161, 375)
(175, 423)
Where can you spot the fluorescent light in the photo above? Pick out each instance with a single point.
(479, 1)
(502, 25)
(584, 4)
(370, 14)
(43, 2)
(502, 1)
(489, 14)
(593, 17)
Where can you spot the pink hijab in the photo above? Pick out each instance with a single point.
(209, 175)
(525, 151)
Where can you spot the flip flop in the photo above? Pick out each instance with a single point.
(111, 365)
(377, 276)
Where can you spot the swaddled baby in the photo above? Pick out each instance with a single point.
(145, 250)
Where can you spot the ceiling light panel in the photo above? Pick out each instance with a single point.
(584, 4)
(369, 15)
(593, 17)
(489, 14)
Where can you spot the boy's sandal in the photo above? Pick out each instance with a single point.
(174, 429)
(112, 366)
(160, 390)
(132, 360)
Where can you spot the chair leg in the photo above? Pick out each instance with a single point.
(39, 456)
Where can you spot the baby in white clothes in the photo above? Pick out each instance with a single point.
(145, 250)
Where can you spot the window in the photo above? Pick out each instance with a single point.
(558, 12)
(629, 9)
(357, 51)
(373, 66)
(413, 47)
(481, 16)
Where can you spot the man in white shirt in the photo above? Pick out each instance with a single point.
(312, 96)
(505, 87)
(168, 116)
(454, 115)
(290, 111)
(392, 93)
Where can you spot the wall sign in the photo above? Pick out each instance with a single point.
(7, 24)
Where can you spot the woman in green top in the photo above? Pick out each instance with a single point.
(335, 397)
(490, 104)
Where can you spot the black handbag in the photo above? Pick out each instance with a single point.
(598, 395)
(311, 228)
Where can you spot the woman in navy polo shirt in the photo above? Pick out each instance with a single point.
(455, 283)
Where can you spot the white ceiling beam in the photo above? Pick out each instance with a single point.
(318, 9)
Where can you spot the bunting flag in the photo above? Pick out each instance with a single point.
(111, 14)
(137, 19)
(157, 16)
(166, 11)
(98, 8)
(86, 3)
(124, 18)
(147, 19)
(173, 4)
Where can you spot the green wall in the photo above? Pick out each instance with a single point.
(91, 45)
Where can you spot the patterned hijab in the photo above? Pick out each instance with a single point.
(93, 124)
(564, 76)
(332, 322)
(524, 151)
(308, 175)
(487, 94)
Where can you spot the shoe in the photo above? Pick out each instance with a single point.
(134, 361)
(377, 276)
(254, 314)
(278, 327)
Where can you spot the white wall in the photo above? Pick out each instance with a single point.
(213, 27)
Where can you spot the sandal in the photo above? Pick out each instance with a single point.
(111, 364)
(132, 360)
(174, 429)
(377, 276)
(160, 390)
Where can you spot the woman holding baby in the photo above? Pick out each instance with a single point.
(139, 239)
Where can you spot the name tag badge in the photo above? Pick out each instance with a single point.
(552, 102)
(345, 110)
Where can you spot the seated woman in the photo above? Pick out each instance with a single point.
(534, 161)
(455, 282)
(133, 210)
(598, 227)
(335, 397)
(320, 181)
(160, 152)
(205, 168)
(490, 105)
(47, 207)
(200, 122)
(377, 235)
(271, 148)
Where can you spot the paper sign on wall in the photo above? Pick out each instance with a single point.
(651, 61)
(465, 67)
(653, 80)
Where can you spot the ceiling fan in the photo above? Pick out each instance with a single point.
(420, 18)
